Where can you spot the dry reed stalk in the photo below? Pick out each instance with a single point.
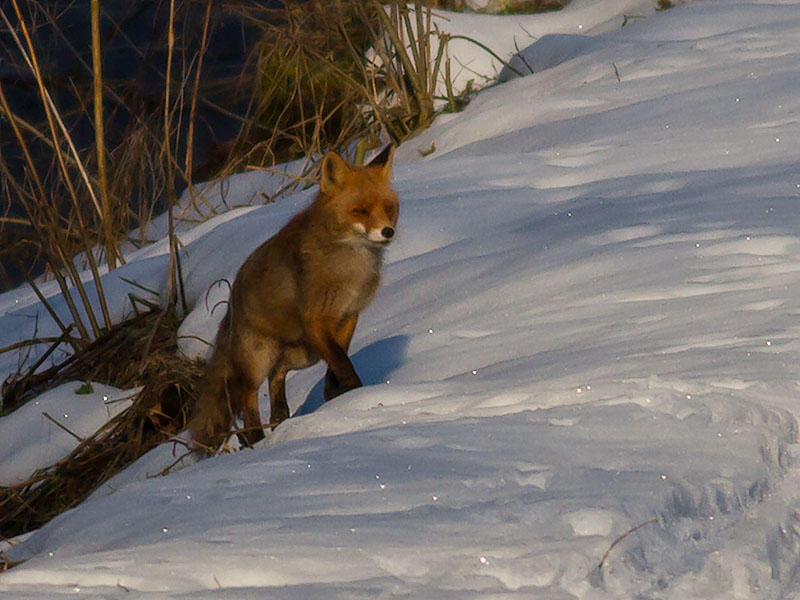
(99, 140)
(50, 225)
(172, 287)
(51, 112)
(193, 107)
(40, 230)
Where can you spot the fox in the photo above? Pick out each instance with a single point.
(296, 299)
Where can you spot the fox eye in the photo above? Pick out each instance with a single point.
(360, 211)
(389, 210)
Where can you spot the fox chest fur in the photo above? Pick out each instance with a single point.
(304, 272)
(342, 281)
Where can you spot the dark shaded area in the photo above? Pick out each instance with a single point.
(134, 54)
(134, 59)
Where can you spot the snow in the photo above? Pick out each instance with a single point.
(588, 325)
(77, 408)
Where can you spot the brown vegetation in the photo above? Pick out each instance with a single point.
(140, 352)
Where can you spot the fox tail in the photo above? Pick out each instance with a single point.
(213, 412)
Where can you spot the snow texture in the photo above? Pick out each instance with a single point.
(588, 325)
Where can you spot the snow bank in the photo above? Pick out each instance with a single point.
(588, 324)
(31, 437)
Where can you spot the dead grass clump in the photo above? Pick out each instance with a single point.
(307, 88)
(138, 352)
(340, 75)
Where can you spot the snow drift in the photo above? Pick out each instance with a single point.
(588, 324)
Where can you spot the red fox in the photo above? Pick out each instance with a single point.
(297, 298)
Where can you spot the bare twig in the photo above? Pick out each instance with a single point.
(69, 431)
(489, 50)
(622, 537)
(193, 108)
(31, 342)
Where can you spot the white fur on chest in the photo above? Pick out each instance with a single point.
(357, 270)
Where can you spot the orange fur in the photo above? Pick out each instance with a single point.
(297, 298)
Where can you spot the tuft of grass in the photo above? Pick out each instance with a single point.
(342, 75)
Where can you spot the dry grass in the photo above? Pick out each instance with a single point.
(341, 74)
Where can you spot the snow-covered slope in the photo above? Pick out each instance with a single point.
(588, 324)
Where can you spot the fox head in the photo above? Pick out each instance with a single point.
(360, 200)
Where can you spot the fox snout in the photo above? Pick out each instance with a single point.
(381, 235)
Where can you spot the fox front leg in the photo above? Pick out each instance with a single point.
(323, 338)
(344, 333)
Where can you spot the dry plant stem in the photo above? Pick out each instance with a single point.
(50, 109)
(171, 279)
(179, 268)
(410, 73)
(370, 88)
(69, 431)
(52, 116)
(294, 181)
(70, 301)
(451, 98)
(30, 342)
(51, 20)
(522, 56)
(193, 108)
(423, 41)
(23, 146)
(54, 233)
(14, 221)
(42, 235)
(622, 537)
(392, 30)
(444, 40)
(65, 329)
(40, 361)
(283, 174)
(489, 50)
(87, 245)
(36, 133)
(99, 140)
(370, 94)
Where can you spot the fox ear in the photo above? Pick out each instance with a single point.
(333, 172)
(384, 159)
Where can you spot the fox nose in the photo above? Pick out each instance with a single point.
(387, 232)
